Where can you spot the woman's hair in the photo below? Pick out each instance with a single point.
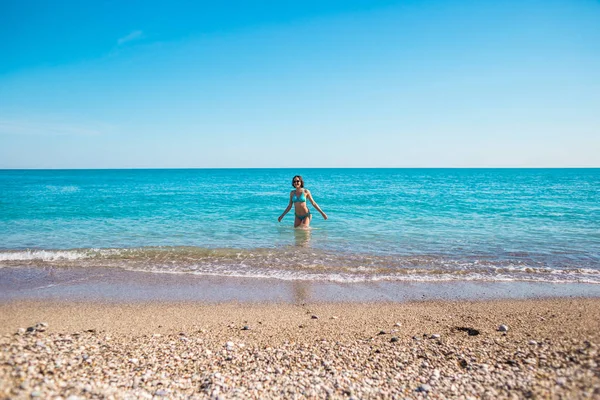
(301, 181)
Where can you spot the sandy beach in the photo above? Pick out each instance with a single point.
(429, 349)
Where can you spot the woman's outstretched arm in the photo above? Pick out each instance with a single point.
(315, 205)
(289, 207)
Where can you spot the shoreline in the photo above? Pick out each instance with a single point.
(191, 349)
(119, 286)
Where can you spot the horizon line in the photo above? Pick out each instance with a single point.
(257, 168)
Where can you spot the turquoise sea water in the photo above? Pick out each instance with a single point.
(538, 225)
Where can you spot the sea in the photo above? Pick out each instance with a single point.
(384, 225)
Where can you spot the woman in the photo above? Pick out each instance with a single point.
(298, 198)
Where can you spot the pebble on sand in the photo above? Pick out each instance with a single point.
(503, 328)
(39, 327)
(339, 361)
(424, 388)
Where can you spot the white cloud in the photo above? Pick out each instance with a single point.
(135, 35)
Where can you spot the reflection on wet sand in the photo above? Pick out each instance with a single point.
(302, 237)
(301, 291)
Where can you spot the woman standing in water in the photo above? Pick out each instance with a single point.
(298, 198)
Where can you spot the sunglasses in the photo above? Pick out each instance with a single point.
(296, 181)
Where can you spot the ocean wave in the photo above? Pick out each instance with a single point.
(294, 263)
(42, 255)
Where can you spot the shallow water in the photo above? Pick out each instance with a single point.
(535, 225)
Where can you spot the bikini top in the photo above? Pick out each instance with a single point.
(301, 199)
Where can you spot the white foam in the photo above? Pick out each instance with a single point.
(412, 275)
(341, 278)
(298, 266)
(42, 255)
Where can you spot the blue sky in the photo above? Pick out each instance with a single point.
(351, 83)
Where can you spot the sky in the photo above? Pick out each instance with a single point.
(278, 84)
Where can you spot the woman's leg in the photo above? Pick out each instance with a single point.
(306, 221)
(297, 222)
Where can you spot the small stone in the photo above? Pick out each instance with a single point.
(246, 328)
(381, 333)
(394, 339)
(471, 331)
(161, 392)
(21, 331)
(398, 324)
(532, 342)
(561, 381)
(424, 388)
(334, 317)
(503, 328)
(36, 393)
(314, 317)
(435, 336)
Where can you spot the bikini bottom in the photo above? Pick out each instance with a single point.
(302, 217)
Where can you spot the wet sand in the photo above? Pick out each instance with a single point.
(116, 285)
(196, 349)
